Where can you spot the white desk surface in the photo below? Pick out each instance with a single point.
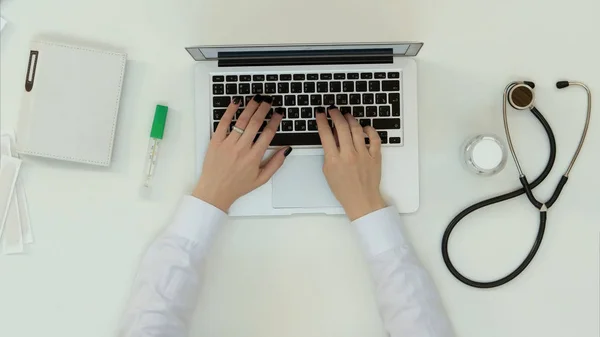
(304, 276)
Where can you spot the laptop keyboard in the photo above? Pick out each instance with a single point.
(373, 97)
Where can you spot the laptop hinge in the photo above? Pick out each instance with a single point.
(301, 57)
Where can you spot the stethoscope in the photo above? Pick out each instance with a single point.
(520, 96)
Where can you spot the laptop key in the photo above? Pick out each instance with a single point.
(312, 77)
(245, 78)
(381, 98)
(300, 125)
(316, 99)
(231, 78)
(396, 109)
(339, 76)
(354, 99)
(218, 89)
(342, 99)
(364, 122)
(353, 76)
(241, 100)
(384, 111)
(290, 100)
(328, 99)
(218, 114)
(348, 86)
(273, 77)
(296, 87)
(277, 100)
(215, 126)
(368, 98)
(283, 87)
(244, 88)
(386, 123)
(325, 76)
(322, 87)
(371, 111)
(392, 85)
(394, 75)
(299, 77)
(281, 111)
(374, 86)
(345, 110)
(306, 113)
(303, 100)
(221, 101)
(287, 126)
(257, 88)
(358, 111)
(294, 113)
(291, 139)
(394, 140)
(231, 89)
(383, 135)
(366, 76)
(309, 87)
(270, 88)
(361, 86)
(312, 125)
(379, 75)
(258, 78)
(335, 86)
(285, 77)
(394, 97)
(218, 78)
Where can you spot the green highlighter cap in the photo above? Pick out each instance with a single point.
(160, 119)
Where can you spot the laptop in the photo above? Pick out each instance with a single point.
(376, 82)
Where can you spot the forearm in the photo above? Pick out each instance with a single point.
(407, 298)
(165, 289)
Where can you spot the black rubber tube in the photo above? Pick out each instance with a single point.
(495, 200)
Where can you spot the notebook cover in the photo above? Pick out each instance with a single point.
(70, 103)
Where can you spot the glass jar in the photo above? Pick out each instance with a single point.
(485, 154)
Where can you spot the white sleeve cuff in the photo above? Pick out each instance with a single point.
(196, 220)
(380, 231)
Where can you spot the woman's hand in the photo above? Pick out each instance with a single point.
(352, 169)
(233, 164)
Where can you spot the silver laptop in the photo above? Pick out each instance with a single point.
(377, 83)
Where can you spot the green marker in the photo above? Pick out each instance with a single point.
(156, 135)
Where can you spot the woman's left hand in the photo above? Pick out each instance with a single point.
(233, 164)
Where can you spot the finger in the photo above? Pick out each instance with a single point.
(226, 119)
(342, 127)
(256, 122)
(272, 164)
(327, 139)
(374, 140)
(262, 143)
(244, 119)
(358, 134)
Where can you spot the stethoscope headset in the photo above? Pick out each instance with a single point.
(520, 96)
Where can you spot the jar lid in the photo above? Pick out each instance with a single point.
(487, 154)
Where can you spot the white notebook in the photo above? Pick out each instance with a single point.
(71, 103)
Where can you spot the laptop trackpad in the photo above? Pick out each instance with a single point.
(300, 183)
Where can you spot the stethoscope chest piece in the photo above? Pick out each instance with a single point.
(521, 96)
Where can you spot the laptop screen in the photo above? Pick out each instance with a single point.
(208, 53)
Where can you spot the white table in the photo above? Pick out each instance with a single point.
(304, 276)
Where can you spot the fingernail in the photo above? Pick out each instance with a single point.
(320, 110)
(331, 107)
(287, 152)
(267, 99)
(236, 100)
(279, 111)
(258, 98)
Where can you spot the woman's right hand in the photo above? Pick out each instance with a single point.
(352, 169)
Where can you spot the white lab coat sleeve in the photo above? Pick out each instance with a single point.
(406, 296)
(165, 289)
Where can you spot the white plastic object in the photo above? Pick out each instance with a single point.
(485, 154)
